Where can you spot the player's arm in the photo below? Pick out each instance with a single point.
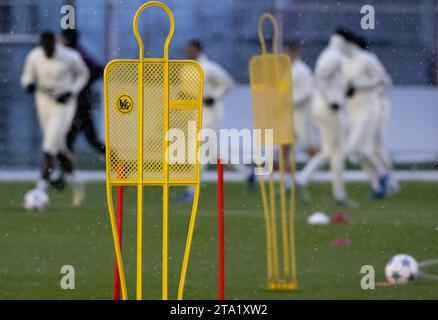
(95, 69)
(370, 80)
(223, 83)
(330, 85)
(302, 87)
(81, 74)
(367, 84)
(80, 78)
(386, 79)
(28, 77)
(302, 95)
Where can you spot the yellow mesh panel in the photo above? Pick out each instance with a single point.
(144, 99)
(185, 81)
(185, 91)
(153, 134)
(271, 87)
(122, 80)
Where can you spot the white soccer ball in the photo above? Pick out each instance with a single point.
(401, 269)
(318, 218)
(36, 200)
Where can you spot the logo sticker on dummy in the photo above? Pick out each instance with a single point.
(124, 104)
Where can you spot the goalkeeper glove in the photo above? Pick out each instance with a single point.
(209, 101)
(350, 91)
(31, 88)
(335, 107)
(63, 98)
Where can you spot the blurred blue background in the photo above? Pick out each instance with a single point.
(405, 39)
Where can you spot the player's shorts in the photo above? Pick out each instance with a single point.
(55, 120)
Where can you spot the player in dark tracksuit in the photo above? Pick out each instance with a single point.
(83, 121)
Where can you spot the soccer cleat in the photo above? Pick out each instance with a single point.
(383, 183)
(78, 194)
(251, 180)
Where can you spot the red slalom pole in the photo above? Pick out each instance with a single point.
(119, 222)
(220, 237)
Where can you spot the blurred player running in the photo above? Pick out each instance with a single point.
(328, 99)
(83, 121)
(302, 91)
(363, 80)
(55, 75)
(381, 118)
(217, 82)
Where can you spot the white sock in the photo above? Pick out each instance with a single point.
(42, 184)
(340, 196)
(72, 178)
(68, 177)
(300, 181)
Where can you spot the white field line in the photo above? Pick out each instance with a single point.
(15, 175)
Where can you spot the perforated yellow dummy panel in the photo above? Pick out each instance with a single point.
(122, 81)
(271, 95)
(153, 120)
(271, 89)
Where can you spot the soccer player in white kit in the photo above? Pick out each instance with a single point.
(363, 80)
(55, 75)
(381, 118)
(302, 93)
(328, 99)
(217, 82)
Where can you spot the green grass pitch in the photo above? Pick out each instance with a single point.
(34, 246)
